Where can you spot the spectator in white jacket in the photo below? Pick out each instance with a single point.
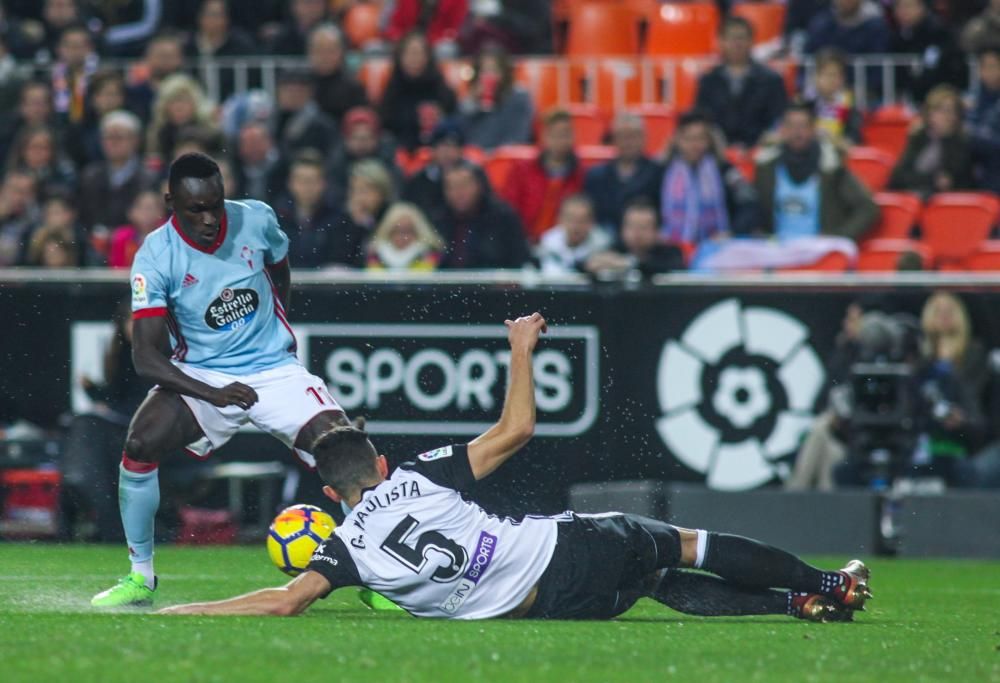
(566, 247)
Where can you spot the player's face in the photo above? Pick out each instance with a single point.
(199, 207)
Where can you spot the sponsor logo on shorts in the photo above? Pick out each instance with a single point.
(139, 296)
(485, 550)
(232, 309)
(324, 558)
(436, 454)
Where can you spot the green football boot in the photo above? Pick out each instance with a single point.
(130, 591)
(377, 602)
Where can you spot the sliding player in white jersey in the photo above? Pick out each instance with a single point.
(414, 539)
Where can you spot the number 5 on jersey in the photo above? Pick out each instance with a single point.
(415, 557)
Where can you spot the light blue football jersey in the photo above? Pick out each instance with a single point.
(221, 307)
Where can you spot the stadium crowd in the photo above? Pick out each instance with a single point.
(410, 180)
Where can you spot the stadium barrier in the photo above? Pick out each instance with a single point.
(610, 82)
(694, 379)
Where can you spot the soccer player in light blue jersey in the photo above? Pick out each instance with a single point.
(210, 292)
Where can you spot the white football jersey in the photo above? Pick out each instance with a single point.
(416, 541)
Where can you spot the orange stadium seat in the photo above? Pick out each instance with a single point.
(955, 224)
(548, 81)
(767, 19)
(898, 214)
(882, 256)
(613, 83)
(744, 162)
(682, 29)
(361, 23)
(986, 258)
(888, 129)
(504, 158)
(458, 74)
(374, 75)
(871, 165)
(678, 82)
(661, 122)
(593, 155)
(589, 124)
(602, 28)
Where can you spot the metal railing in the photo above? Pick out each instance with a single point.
(613, 82)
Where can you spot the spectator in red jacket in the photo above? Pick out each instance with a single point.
(537, 188)
(440, 20)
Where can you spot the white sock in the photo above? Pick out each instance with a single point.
(146, 569)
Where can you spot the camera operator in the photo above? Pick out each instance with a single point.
(823, 448)
(916, 414)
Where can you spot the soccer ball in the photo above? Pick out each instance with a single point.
(294, 536)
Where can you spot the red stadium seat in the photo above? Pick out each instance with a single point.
(888, 129)
(955, 224)
(504, 158)
(361, 23)
(882, 256)
(898, 214)
(602, 28)
(871, 165)
(767, 19)
(589, 124)
(682, 29)
(661, 122)
(984, 259)
(593, 155)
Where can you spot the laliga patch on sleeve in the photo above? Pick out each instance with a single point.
(436, 454)
(139, 295)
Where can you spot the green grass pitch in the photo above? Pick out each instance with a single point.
(930, 621)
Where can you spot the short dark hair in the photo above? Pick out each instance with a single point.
(735, 22)
(641, 203)
(308, 157)
(554, 116)
(990, 49)
(803, 106)
(345, 458)
(694, 116)
(193, 165)
(831, 55)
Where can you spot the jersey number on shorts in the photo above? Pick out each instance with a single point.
(414, 557)
(319, 393)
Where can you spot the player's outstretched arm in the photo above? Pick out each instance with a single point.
(286, 601)
(149, 339)
(517, 421)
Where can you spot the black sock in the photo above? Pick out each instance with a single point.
(746, 562)
(710, 596)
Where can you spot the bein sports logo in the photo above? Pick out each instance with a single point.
(737, 391)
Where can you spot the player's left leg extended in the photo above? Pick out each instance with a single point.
(748, 563)
(709, 596)
(748, 568)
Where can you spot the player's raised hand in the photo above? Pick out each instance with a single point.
(523, 332)
(235, 394)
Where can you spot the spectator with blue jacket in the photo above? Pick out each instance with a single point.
(856, 27)
(984, 120)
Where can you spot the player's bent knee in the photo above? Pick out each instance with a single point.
(137, 448)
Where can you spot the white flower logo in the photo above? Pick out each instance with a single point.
(742, 396)
(737, 390)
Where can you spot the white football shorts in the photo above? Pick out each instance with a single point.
(288, 397)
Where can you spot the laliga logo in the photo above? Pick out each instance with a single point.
(737, 391)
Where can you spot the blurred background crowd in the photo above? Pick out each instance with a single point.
(601, 136)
